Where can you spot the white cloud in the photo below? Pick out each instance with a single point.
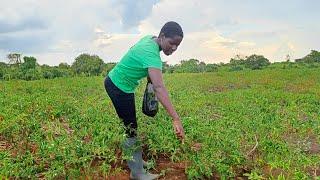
(62, 46)
(215, 30)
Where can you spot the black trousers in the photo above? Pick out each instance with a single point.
(124, 104)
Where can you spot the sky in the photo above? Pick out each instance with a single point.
(214, 30)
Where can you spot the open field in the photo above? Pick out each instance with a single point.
(256, 124)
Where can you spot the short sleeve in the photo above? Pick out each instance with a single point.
(151, 60)
(147, 53)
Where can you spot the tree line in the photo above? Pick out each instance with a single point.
(93, 65)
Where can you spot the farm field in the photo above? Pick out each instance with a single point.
(262, 124)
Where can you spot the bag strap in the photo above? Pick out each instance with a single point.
(149, 80)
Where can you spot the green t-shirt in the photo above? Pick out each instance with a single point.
(133, 66)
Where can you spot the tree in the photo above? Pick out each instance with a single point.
(237, 63)
(45, 66)
(64, 65)
(88, 64)
(14, 58)
(313, 56)
(28, 70)
(201, 67)
(29, 63)
(211, 67)
(191, 66)
(165, 67)
(32, 74)
(3, 67)
(107, 68)
(237, 60)
(288, 58)
(256, 62)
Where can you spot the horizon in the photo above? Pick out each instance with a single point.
(110, 62)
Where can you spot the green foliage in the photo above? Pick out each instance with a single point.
(192, 66)
(259, 124)
(64, 66)
(107, 68)
(211, 67)
(28, 70)
(92, 65)
(253, 62)
(88, 65)
(29, 63)
(312, 57)
(237, 61)
(31, 74)
(165, 67)
(54, 72)
(3, 67)
(256, 62)
(236, 68)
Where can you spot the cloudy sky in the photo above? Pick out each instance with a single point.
(215, 30)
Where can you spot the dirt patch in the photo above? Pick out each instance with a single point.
(215, 116)
(65, 125)
(58, 126)
(303, 116)
(120, 171)
(4, 145)
(308, 144)
(315, 146)
(119, 176)
(313, 171)
(228, 87)
(302, 87)
(273, 172)
(170, 170)
(87, 139)
(217, 89)
(250, 148)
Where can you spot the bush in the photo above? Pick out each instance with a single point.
(88, 65)
(312, 57)
(211, 68)
(107, 68)
(32, 74)
(236, 68)
(54, 72)
(256, 62)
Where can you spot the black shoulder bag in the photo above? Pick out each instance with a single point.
(150, 102)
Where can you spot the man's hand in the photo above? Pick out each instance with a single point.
(178, 128)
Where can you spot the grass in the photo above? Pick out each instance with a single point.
(258, 124)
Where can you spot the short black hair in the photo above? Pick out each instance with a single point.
(171, 29)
